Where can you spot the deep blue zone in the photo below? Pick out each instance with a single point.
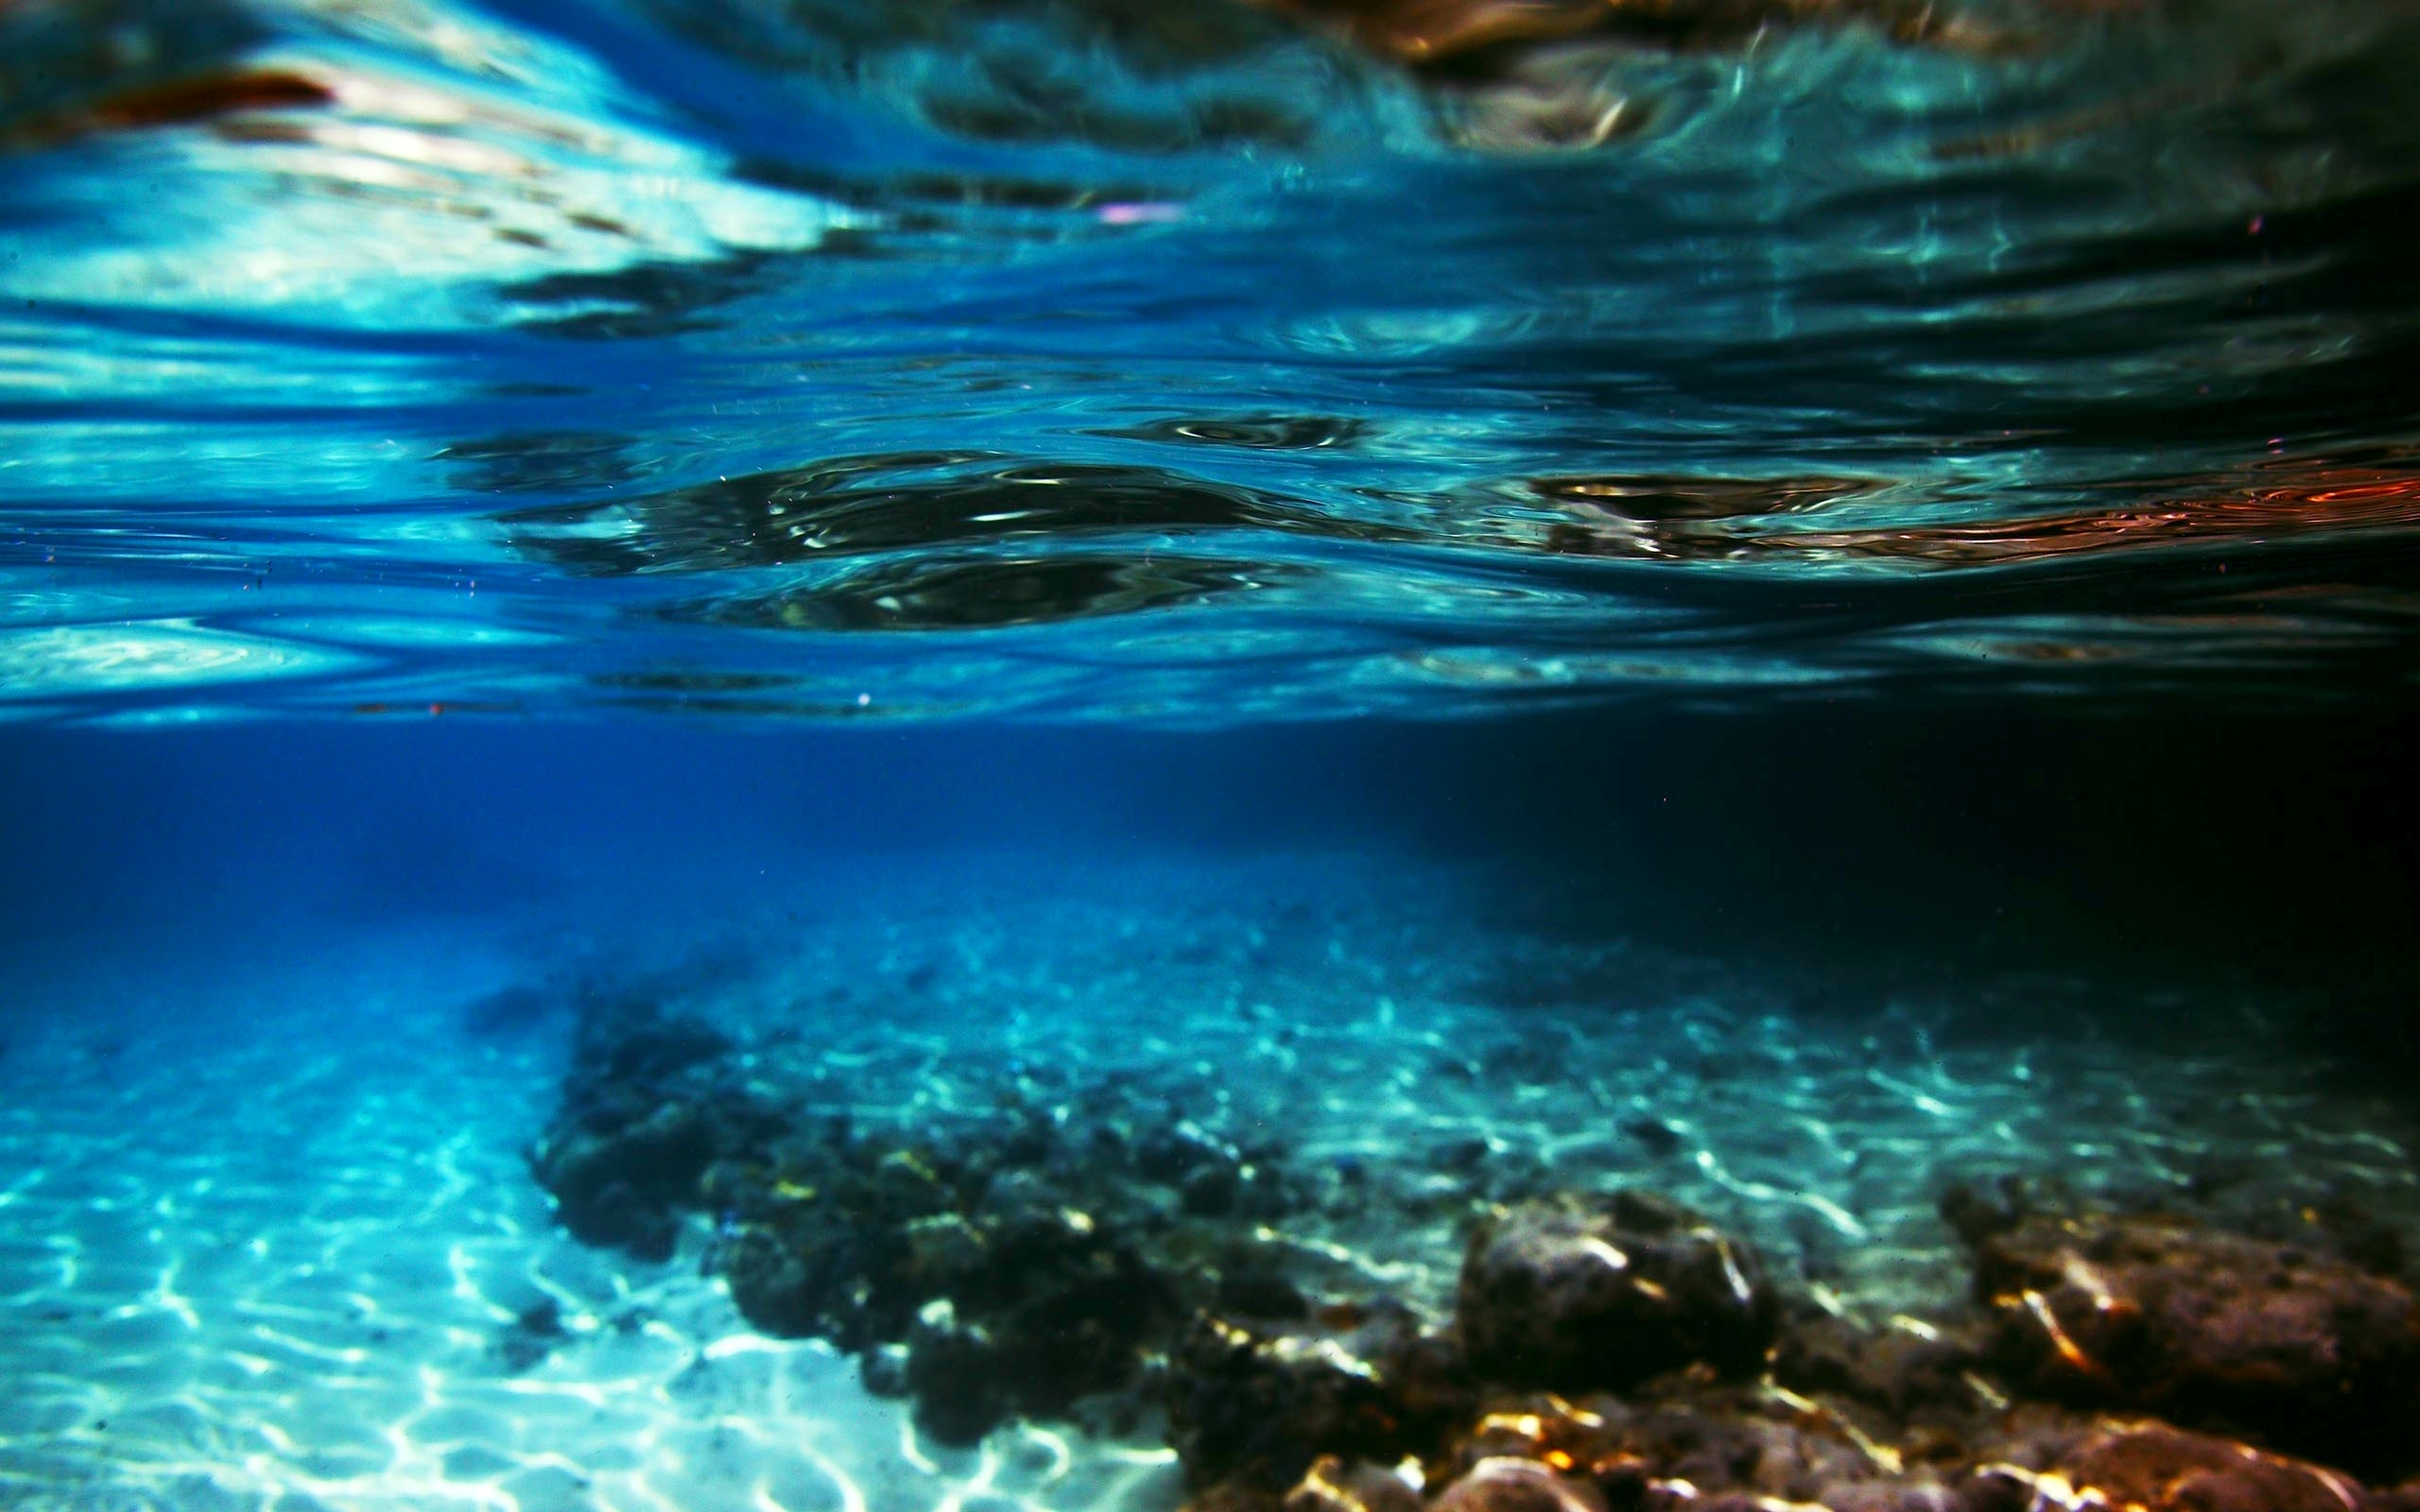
(630, 459)
(2225, 854)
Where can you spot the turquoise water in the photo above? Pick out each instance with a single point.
(1192, 363)
(1269, 755)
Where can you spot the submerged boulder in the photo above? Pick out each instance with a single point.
(1911, 1371)
(1336, 1485)
(2253, 1336)
(643, 1114)
(621, 1183)
(1504, 1482)
(2151, 1467)
(1251, 1411)
(1576, 1295)
(1009, 1296)
(1683, 1443)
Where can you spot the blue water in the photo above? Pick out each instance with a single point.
(1198, 364)
(1789, 604)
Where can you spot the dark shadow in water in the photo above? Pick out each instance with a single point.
(991, 592)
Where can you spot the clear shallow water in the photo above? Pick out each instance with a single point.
(1030, 377)
(1203, 363)
(269, 1222)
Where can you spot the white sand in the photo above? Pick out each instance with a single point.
(259, 1250)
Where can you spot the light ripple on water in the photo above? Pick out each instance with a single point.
(1200, 362)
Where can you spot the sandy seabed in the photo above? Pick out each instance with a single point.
(264, 1238)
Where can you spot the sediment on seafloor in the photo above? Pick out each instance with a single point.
(1117, 1258)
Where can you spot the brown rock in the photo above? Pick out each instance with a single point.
(1575, 1296)
(1333, 1485)
(1255, 1410)
(2151, 1467)
(1695, 1445)
(2209, 1329)
(1506, 1484)
(1912, 1371)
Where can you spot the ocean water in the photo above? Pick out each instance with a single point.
(803, 757)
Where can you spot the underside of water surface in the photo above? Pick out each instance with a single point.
(1187, 363)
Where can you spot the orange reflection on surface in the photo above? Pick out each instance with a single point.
(1680, 518)
(2325, 498)
(175, 102)
(1482, 36)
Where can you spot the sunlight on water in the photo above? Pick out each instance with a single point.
(1201, 362)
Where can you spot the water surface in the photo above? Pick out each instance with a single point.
(1195, 363)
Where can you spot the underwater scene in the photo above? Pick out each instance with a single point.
(1209, 756)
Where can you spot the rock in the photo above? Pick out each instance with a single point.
(1692, 1445)
(1976, 1216)
(1210, 1190)
(1504, 1484)
(642, 1118)
(533, 1335)
(1253, 1410)
(819, 1275)
(2151, 1467)
(1574, 1296)
(647, 1045)
(1259, 1291)
(1168, 1155)
(954, 1370)
(883, 1371)
(1654, 1135)
(1072, 1305)
(621, 1185)
(860, 1241)
(2208, 1329)
(1912, 1371)
(1333, 1485)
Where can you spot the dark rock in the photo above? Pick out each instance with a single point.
(2151, 1467)
(1333, 1485)
(1210, 1190)
(1909, 1373)
(820, 1275)
(1169, 1154)
(1458, 1154)
(2362, 1236)
(2404, 1498)
(643, 1117)
(1574, 1296)
(955, 1370)
(883, 1371)
(2208, 1329)
(1691, 1445)
(1259, 1291)
(622, 1184)
(1503, 1482)
(647, 1046)
(531, 1336)
(1975, 1216)
(1653, 1135)
(1253, 1410)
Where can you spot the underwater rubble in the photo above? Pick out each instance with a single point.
(1108, 1261)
